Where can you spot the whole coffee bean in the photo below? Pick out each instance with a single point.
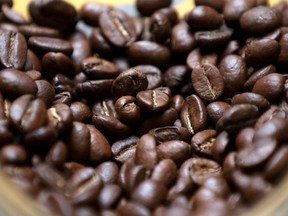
(83, 187)
(261, 52)
(203, 195)
(60, 117)
(118, 27)
(251, 98)
(160, 27)
(148, 52)
(149, 193)
(218, 185)
(124, 149)
(91, 11)
(128, 110)
(176, 76)
(244, 113)
(154, 101)
(250, 82)
(63, 97)
(133, 209)
(202, 142)
(203, 18)
(153, 75)
(108, 171)
(216, 110)
(234, 72)
(129, 82)
(58, 154)
(217, 5)
(13, 16)
(251, 24)
(221, 146)
(13, 154)
(8, 27)
(80, 111)
(45, 91)
(109, 196)
(171, 14)
(62, 83)
(169, 133)
(245, 138)
(182, 40)
(35, 75)
(46, 44)
(165, 172)
(146, 153)
(183, 186)
(99, 43)
(27, 113)
(13, 50)
(193, 114)
(177, 102)
(200, 169)
(148, 7)
(196, 57)
(97, 68)
(176, 150)
(207, 82)
(282, 58)
(85, 211)
(33, 30)
(78, 142)
(6, 134)
(270, 86)
(32, 62)
(104, 107)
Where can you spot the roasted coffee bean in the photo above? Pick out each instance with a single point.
(13, 16)
(270, 86)
(97, 68)
(128, 110)
(153, 75)
(8, 27)
(80, 111)
(62, 15)
(178, 102)
(217, 5)
(32, 62)
(63, 97)
(261, 52)
(182, 40)
(108, 171)
(129, 82)
(238, 117)
(176, 76)
(149, 193)
(207, 82)
(45, 91)
(99, 43)
(165, 172)
(83, 187)
(104, 107)
(221, 146)
(85, 211)
(171, 14)
(196, 57)
(60, 117)
(169, 133)
(245, 138)
(218, 185)
(216, 110)
(234, 72)
(91, 11)
(154, 101)
(193, 114)
(6, 134)
(282, 58)
(13, 50)
(202, 142)
(62, 83)
(58, 154)
(250, 23)
(203, 18)
(146, 153)
(35, 75)
(176, 150)
(146, 8)
(124, 149)
(183, 186)
(27, 113)
(13, 154)
(148, 52)
(109, 196)
(118, 27)
(160, 27)
(33, 30)
(133, 209)
(46, 44)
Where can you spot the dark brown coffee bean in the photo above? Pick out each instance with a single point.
(13, 154)
(47, 44)
(217, 5)
(63, 97)
(221, 146)
(146, 8)
(261, 52)
(170, 133)
(85, 211)
(282, 58)
(83, 187)
(171, 14)
(99, 43)
(33, 30)
(13, 16)
(35, 75)
(62, 83)
(193, 114)
(149, 193)
(218, 185)
(27, 113)
(148, 52)
(108, 171)
(118, 27)
(91, 11)
(97, 68)
(176, 150)
(8, 27)
(178, 102)
(176, 76)
(183, 186)
(251, 98)
(160, 27)
(196, 57)
(202, 142)
(165, 172)
(153, 75)
(245, 138)
(146, 153)
(207, 82)
(270, 86)
(32, 62)
(109, 196)
(6, 134)
(129, 82)
(45, 91)
(58, 154)
(80, 111)
(216, 110)
(124, 149)
(203, 18)
(133, 209)
(251, 24)
(13, 50)
(245, 114)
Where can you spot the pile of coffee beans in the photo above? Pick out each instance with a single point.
(102, 113)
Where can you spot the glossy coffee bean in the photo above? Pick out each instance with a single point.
(202, 142)
(216, 5)
(45, 91)
(32, 62)
(13, 154)
(12, 15)
(153, 75)
(58, 154)
(80, 111)
(176, 76)
(99, 43)
(196, 57)
(60, 117)
(245, 138)
(128, 110)
(169, 133)
(108, 171)
(160, 27)
(216, 110)
(165, 172)
(146, 8)
(109, 196)
(33, 30)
